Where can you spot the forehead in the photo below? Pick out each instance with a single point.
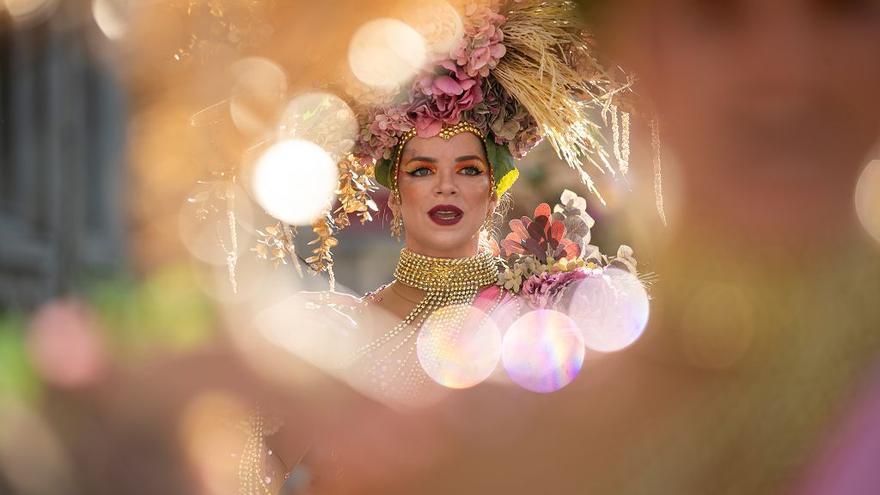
(464, 143)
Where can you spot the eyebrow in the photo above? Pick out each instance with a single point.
(434, 160)
(421, 159)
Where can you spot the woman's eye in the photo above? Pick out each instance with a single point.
(420, 172)
(472, 170)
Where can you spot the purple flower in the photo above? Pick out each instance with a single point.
(545, 291)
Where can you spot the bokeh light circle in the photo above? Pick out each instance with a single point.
(386, 52)
(33, 457)
(64, 343)
(204, 221)
(258, 94)
(324, 337)
(113, 17)
(205, 437)
(867, 199)
(611, 309)
(543, 351)
(29, 11)
(322, 118)
(295, 181)
(459, 357)
(439, 23)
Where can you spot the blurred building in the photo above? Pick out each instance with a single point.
(62, 129)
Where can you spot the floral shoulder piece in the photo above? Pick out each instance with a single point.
(542, 256)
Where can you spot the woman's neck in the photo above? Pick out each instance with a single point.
(468, 250)
(408, 293)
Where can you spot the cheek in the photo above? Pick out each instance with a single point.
(412, 190)
(475, 192)
(413, 195)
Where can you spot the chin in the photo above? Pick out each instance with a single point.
(446, 244)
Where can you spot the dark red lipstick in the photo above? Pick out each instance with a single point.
(445, 214)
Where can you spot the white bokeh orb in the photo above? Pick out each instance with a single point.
(439, 23)
(460, 357)
(113, 17)
(867, 199)
(610, 308)
(258, 94)
(384, 53)
(543, 351)
(295, 181)
(29, 12)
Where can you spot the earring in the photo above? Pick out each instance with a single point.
(396, 218)
(396, 225)
(489, 222)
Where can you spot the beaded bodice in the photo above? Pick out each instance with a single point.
(390, 361)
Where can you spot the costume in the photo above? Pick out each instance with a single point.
(523, 71)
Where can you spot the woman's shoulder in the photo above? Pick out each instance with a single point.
(376, 295)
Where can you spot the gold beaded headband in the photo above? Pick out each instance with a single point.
(446, 134)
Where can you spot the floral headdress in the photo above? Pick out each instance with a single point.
(523, 71)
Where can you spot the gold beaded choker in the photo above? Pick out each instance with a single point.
(445, 274)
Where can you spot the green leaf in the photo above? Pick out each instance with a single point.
(504, 170)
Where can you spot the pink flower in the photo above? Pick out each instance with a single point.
(426, 122)
(482, 46)
(444, 99)
(455, 70)
(545, 291)
(444, 85)
(457, 89)
(380, 133)
(544, 236)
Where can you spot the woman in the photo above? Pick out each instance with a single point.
(445, 148)
(444, 197)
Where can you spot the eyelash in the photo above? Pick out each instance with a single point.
(415, 173)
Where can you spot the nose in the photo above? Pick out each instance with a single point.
(445, 185)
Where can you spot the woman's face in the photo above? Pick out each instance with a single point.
(444, 193)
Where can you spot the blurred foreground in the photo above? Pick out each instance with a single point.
(758, 372)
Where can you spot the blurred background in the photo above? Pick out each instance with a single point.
(128, 291)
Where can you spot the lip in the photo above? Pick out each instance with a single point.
(435, 214)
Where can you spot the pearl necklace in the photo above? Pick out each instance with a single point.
(451, 285)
